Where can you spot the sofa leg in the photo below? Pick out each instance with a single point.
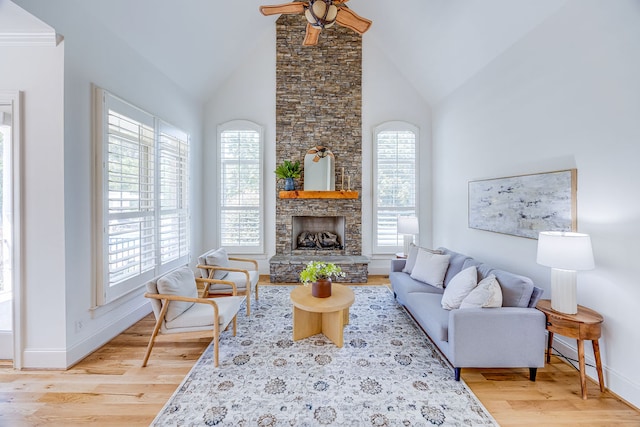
(532, 373)
(457, 373)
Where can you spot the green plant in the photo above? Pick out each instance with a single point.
(288, 169)
(320, 270)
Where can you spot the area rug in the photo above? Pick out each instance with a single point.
(387, 373)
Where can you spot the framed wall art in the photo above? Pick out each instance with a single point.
(524, 205)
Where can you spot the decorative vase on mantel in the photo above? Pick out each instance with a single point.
(289, 184)
(321, 288)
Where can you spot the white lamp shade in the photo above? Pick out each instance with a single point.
(408, 225)
(565, 250)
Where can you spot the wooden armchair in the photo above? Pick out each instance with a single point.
(178, 309)
(216, 264)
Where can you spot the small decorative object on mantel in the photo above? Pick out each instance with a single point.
(288, 171)
(319, 274)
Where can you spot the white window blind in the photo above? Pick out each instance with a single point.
(395, 189)
(241, 204)
(142, 197)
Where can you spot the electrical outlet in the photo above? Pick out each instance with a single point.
(79, 325)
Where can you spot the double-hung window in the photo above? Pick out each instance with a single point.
(142, 196)
(395, 182)
(240, 178)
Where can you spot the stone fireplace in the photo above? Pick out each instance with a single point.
(319, 102)
(317, 233)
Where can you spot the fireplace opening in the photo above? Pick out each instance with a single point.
(318, 232)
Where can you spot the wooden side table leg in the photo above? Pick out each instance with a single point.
(596, 353)
(583, 375)
(549, 347)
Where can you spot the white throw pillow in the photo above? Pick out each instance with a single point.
(180, 282)
(430, 268)
(413, 255)
(487, 294)
(459, 287)
(218, 258)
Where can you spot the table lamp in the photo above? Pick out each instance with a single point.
(565, 253)
(407, 225)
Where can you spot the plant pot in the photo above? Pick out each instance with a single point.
(321, 288)
(289, 184)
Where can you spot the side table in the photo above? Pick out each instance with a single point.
(584, 325)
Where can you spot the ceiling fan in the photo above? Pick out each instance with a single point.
(320, 14)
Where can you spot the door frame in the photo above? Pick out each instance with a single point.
(14, 98)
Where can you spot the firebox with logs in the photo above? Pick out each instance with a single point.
(319, 240)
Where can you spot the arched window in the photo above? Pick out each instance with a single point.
(394, 182)
(241, 203)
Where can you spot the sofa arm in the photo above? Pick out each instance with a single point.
(397, 264)
(505, 337)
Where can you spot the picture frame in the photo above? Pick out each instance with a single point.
(524, 205)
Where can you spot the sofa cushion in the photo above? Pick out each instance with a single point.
(430, 268)
(179, 282)
(486, 295)
(402, 284)
(428, 311)
(516, 290)
(459, 287)
(456, 262)
(483, 269)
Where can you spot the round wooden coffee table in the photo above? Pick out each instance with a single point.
(327, 316)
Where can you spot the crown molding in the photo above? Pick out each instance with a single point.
(46, 39)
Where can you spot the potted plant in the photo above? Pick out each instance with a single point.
(319, 274)
(288, 171)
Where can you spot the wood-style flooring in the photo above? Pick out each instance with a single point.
(109, 388)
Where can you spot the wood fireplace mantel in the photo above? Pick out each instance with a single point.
(318, 194)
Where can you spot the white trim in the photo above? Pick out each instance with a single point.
(24, 39)
(15, 99)
(393, 125)
(241, 125)
(613, 380)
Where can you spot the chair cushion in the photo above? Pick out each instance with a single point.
(180, 282)
(200, 316)
(237, 277)
(215, 257)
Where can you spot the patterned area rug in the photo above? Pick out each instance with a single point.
(387, 374)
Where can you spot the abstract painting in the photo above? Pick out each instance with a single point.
(524, 205)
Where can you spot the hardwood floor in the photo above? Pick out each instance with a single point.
(109, 388)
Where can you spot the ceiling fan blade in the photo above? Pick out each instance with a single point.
(311, 37)
(349, 19)
(292, 8)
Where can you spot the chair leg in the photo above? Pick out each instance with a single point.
(216, 343)
(154, 334)
(248, 293)
(235, 325)
(257, 284)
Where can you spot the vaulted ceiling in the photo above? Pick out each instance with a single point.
(436, 44)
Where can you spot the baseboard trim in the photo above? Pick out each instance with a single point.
(90, 344)
(614, 382)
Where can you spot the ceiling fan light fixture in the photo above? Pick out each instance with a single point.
(321, 13)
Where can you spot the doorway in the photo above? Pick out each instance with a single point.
(9, 226)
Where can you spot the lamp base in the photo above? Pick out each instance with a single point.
(564, 297)
(408, 240)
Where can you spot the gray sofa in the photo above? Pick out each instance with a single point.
(511, 336)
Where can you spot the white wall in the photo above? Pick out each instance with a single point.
(566, 96)
(92, 55)
(250, 95)
(42, 196)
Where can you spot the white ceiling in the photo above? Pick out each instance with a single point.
(437, 44)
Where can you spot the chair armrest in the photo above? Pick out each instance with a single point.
(252, 261)
(166, 298)
(398, 264)
(208, 282)
(497, 337)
